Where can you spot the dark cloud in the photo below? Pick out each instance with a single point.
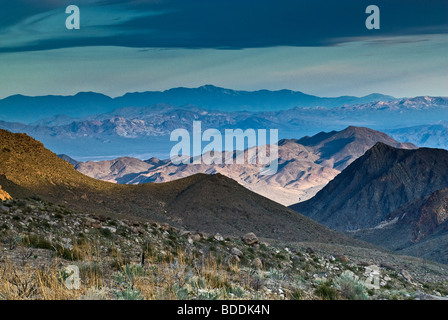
(235, 24)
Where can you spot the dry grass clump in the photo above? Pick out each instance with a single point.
(168, 276)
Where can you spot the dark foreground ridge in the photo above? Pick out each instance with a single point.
(383, 197)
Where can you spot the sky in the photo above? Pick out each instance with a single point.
(319, 47)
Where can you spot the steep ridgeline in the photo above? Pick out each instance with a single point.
(70, 160)
(338, 149)
(207, 203)
(384, 196)
(305, 165)
(376, 184)
(298, 178)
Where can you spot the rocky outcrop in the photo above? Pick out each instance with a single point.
(4, 195)
(250, 238)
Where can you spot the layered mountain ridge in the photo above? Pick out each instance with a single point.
(125, 130)
(305, 165)
(215, 203)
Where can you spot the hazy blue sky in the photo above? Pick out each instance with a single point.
(318, 47)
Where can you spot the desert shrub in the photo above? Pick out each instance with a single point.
(106, 232)
(125, 280)
(237, 291)
(296, 294)
(129, 273)
(91, 270)
(351, 288)
(326, 292)
(208, 296)
(129, 294)
(35, 241)
(71, 254)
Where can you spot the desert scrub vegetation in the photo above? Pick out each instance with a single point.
(350, 287)
(126, 259)
(177, 277)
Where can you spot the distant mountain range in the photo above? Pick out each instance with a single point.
(305, 165)
(391, 197)
(144, 131)
(27, 109)
(434, 135)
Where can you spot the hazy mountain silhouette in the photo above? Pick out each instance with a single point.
(27, 109)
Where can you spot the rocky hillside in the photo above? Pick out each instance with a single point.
(381, 181)
(209, 203)
(419, 228)
(388, 196)
(41, 244)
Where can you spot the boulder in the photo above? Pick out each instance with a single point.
(236, 252)
(341, 258)
(185, 233)
(234, 259)
(250, 238)
(218, 237)
(406, 275)
(310, 250)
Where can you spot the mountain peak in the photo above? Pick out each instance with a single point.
(340, 148)
(381, 146)
(381, 180)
